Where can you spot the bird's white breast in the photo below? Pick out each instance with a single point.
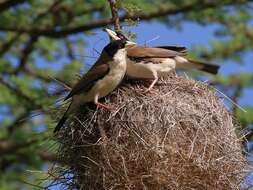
(110, 81)
(149, 69)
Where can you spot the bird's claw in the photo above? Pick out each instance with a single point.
(100, 105)
(143, 92)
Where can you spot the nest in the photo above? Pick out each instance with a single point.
(178, 137)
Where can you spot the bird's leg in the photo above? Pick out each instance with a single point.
(100, 105)
(152, 84)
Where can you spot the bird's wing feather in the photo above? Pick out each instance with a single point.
(180, 49)
(147, 52)
(85, 83)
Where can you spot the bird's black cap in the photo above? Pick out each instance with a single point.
(121, 36)
(112, 48)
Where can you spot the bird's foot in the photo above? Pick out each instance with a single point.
(150, 88)
(100, 105)
(146, 91)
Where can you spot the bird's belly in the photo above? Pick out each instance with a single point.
(149, 69)
(103, 86)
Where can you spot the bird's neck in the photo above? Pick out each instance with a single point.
(119, 57)
(103, 57)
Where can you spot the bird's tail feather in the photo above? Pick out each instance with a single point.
(60, 123)
(62, 120)
(207, 67)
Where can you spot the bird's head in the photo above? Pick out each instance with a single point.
(112, 35)
(117, 36)
(117, 45)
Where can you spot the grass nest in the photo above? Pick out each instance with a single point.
(178, 137)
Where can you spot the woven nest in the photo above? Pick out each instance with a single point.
(178, 137)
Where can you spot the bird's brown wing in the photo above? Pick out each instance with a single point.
(147, 52)
(87, 81)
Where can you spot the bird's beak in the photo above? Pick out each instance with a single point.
(112, 34)
(130, 44)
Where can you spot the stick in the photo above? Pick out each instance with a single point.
(115, 16)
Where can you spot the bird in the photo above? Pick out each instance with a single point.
(103, 77)
(155, 62)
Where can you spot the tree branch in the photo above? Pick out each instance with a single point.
(23, 158)
(49, 10)
(18, 93)
(236, 96)
(26, 52)
(34, 38)
(91, 10)
(31, 72)
(17, 122)
(7, 45)
(10, 3)
(56, 33)
(69, 49)
(8, 147)
(115, 16)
